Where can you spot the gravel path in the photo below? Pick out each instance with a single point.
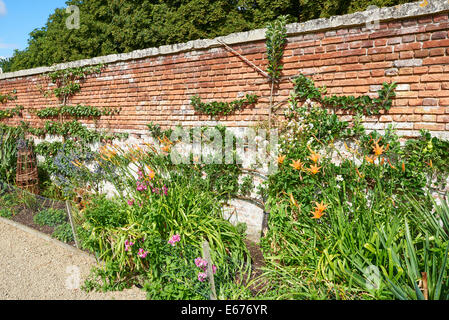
(33, 268)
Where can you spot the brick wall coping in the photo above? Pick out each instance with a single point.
(408, 10)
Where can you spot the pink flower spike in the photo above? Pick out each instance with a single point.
(131, 202)
(214, 269)
(141, 187)
(142, 253)
(201, 263)
(174, 239)
(202, 276)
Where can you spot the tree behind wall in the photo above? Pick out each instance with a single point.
(119, 26)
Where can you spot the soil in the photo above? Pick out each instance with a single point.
(258, 262)
(25, 217)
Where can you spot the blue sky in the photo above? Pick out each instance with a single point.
(19, 17)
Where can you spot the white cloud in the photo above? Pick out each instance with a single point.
(2, 8)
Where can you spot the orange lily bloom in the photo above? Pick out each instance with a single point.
(281, 159)
(314, 169)
(166, 148)
(319, 210)
(297, 165)
(378, 150)
(403, 166)
(315, 157)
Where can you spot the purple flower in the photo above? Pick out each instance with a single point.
(214, 269)
(131, 202)
(165, 190)
(202, 276)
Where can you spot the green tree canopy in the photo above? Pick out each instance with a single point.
(119, 26)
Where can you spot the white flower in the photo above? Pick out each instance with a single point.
(339, 178)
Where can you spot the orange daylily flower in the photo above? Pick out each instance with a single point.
(166, 148)
(297, 165)
(315, 157)
(378, 150)
(319, 210)
(403, 166)
(314, 169)
(281, 159)
(151, 174)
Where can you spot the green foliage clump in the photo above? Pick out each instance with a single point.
(8, 96)
(9, 113)
(78, 111)
(50, 217)
(6, 213)
(305, 89)
(63, 232)
(276, 36)
(215, 108)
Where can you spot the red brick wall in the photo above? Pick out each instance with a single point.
(413, 52)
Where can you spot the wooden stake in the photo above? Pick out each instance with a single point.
(210, 273)
(425, 287)
(69, 212)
